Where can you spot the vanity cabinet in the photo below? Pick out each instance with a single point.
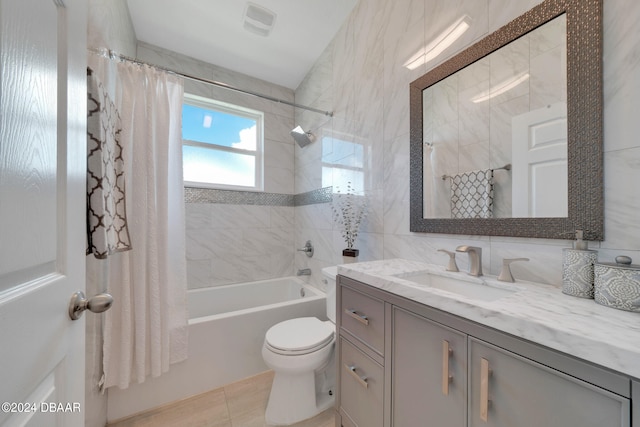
(426, 367)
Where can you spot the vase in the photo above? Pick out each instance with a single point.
(350, 255)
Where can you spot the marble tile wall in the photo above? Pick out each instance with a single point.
(361, 78)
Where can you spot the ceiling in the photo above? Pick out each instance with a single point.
(213, 31)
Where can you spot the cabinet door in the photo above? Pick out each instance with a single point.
(429, 373)
(507, 390)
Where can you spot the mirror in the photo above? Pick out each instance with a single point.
(506, 136)
(496, 124)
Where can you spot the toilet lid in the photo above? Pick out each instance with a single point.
(300, 334)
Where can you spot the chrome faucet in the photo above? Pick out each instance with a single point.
(304, 272)
(475, 258)
(308, 249)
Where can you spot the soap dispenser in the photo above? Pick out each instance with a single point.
(577, 268)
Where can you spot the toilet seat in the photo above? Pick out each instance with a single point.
(299, 336)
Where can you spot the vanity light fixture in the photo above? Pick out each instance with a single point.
(440, 44)
(501, 88)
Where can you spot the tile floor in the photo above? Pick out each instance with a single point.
(240, 404)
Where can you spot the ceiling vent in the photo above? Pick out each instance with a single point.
(258, 19)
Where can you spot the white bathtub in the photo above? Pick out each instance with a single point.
(227, 325)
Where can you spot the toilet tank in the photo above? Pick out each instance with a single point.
(330, 274)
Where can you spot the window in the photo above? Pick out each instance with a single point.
(222, 145)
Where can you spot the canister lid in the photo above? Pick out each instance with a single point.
(622, 261)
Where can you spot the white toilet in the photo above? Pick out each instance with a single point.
(301, 353)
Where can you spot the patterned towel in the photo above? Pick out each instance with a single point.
(107, 230)
(472, 194)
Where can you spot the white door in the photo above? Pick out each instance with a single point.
(539, 163)
(42, 218)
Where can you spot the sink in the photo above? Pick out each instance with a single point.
(474, 288)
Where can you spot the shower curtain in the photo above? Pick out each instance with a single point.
(146, 328)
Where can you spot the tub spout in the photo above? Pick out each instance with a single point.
(304, 272)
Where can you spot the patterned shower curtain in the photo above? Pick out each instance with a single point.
(146, 329)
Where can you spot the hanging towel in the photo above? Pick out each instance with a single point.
(472, 194)
(107, 230)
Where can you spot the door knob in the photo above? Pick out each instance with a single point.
(97, 304)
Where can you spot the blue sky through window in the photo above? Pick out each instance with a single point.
(215, 127)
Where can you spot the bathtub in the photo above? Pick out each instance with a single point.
(227, 325)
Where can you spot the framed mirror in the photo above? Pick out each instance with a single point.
(506, 136)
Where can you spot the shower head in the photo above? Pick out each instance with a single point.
(302, 138)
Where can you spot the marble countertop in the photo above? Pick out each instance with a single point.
(536, 312)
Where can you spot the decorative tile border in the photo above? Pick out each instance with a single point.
(231, 197)
(321, 195)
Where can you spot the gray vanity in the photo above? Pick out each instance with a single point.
(482, 353)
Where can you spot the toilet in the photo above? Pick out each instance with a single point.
(301, 354)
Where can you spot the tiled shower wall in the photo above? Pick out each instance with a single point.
(361, 78)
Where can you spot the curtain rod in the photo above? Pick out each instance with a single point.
(108, 53)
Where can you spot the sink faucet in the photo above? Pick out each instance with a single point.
(475, 258)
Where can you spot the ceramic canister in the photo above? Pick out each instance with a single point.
(617, 284)
(577, 272)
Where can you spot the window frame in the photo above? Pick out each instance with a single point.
(258, 154)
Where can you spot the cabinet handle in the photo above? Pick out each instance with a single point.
(354, 374)
(484, 389)
(447, 352)
(359, 317)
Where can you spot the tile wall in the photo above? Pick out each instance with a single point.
(361, 78)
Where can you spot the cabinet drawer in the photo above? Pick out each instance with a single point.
(361, 386)
(363, 317)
